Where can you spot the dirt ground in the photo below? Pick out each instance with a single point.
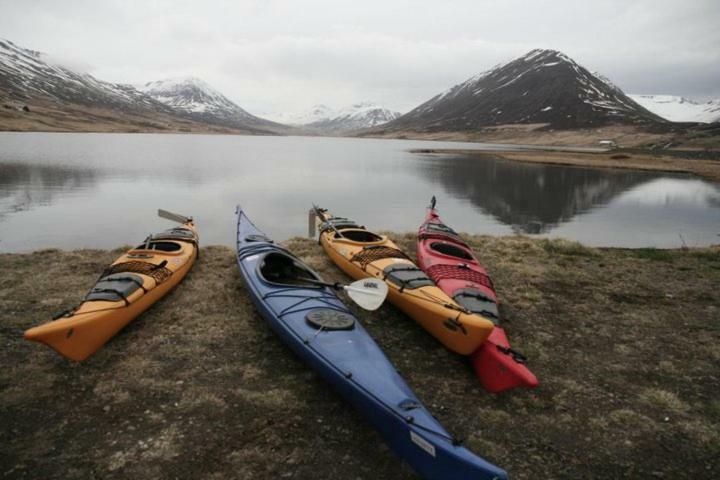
(704, 164)
(625, 343)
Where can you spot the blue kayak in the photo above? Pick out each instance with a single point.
(318, 326)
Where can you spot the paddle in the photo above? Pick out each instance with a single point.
(320, 214)
(368, 293)
(175, 217)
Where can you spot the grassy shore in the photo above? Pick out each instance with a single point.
(625, 343)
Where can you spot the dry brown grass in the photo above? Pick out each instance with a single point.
(535, 134)
(625, 344)
(48, 116)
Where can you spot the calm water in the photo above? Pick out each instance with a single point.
(102, 190)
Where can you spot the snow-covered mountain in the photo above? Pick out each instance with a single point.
(200, 101)
(680, 109)
(354, 117)
(543, 86)
(26, 74)
(316, 114)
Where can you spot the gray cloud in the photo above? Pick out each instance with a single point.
(277, 55)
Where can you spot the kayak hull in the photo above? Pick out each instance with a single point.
(80, 333)
(427, 304)
(499, 369)
(452, 264)
(353, 364)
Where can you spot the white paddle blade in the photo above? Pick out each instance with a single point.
(175, 217)
(368, 293)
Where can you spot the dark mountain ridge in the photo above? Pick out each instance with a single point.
(541, 87)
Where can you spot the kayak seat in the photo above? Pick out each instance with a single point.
(115, 287)
(280, 268)
(407, 276)
(477, 302)
(376, 252)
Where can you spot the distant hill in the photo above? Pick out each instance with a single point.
(680, 109)
(358, 116)
(64, 98)
(27, 74)
(199, 101)
(542, 87)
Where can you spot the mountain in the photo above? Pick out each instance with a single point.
(60, 97)
(199, 101)
(322, 118)
(28, 74)
(541, 87)
(680, 109)
(356, 117)
(315, 114)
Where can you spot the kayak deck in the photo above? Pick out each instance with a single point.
(321, 330)
(361, 254)
(451, 263)
(128, 287)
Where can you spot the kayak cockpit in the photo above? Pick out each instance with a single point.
(160, 246)
(359, 236)
(450, 250)
(282, 269)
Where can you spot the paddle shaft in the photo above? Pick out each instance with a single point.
(338, 286)
(321, 215)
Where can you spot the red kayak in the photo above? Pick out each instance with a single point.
(451, 264)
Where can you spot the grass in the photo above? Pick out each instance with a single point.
(625, 343)
(654, 254)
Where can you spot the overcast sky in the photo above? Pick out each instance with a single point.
(275, 56)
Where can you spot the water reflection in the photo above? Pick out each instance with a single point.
(531, 198)
(102, 190)
(23, 186)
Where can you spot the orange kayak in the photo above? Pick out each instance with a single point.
(361, 254)
(128, 287)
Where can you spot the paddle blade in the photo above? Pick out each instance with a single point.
(368, 293)
(175, 217)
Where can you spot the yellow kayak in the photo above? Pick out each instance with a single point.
(361, 254)
(128, 287)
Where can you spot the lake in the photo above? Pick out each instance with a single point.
(74, 190)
